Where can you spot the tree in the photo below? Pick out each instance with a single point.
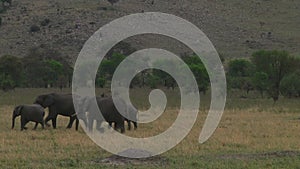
(44, 61)
(290, 85)
(260, 82)
(153, 80)
(165, 79)
(108, 66)
(240, 68)
(201, 76)
(41, 72)
(10, 72)
(54, 71)
(34, 71)
(239, 74)
(199, 71)
(276, 64)
(6, 82)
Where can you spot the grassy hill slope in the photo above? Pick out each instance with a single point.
(236, 28)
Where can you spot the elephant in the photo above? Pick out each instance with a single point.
(58, 104)
(28, 113)
(131, 112)
(108, 110)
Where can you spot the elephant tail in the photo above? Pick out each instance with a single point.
(75, 114)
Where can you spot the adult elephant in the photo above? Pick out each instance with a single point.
(131, 112)
(108, 110)
(58, 104)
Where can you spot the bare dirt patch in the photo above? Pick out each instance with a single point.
(118, 160)
(276, 154)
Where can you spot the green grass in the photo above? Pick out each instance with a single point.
(249, 129)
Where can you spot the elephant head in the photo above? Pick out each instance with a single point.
(17, 112)
(45, 100)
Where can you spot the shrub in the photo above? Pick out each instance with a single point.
(260, 82)
(153, 81)
(276, 64)
(100, 82)
(240, 68)
(34, 28)
(6, 83)
(45, 22)
(290, 85)
(10, 72)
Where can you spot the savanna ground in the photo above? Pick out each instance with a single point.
(253, 133)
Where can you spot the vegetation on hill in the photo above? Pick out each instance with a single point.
(271, 72)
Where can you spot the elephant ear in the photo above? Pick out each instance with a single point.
(18, 110)
(48, 100)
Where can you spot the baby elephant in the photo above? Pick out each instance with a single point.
(33, 112)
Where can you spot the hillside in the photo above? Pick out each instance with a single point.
(236, 28)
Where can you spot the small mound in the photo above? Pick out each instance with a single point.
(120, 160)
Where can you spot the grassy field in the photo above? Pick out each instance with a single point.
(253, 133)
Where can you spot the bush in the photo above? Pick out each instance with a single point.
(290, 85)
(260, 82)
(10, 69)
(34, 28)
(199, 71)
(240, 68)
(6, 83)
(45, 22)
(0, 21)
(100, 82)
(153, 81)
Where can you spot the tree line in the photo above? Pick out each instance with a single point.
(40, 68)
(272, 72)
(269, 72)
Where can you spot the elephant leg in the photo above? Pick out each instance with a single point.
(54, 122)
(35, 126)
(110, 124)
(128, 124)
(135, 124)
(77, 123)
(122, 127)
(23, 123)
(48, 118)
(115, 126)
(42, 123)
(72, 118)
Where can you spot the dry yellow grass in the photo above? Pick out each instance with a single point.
(241, 131)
